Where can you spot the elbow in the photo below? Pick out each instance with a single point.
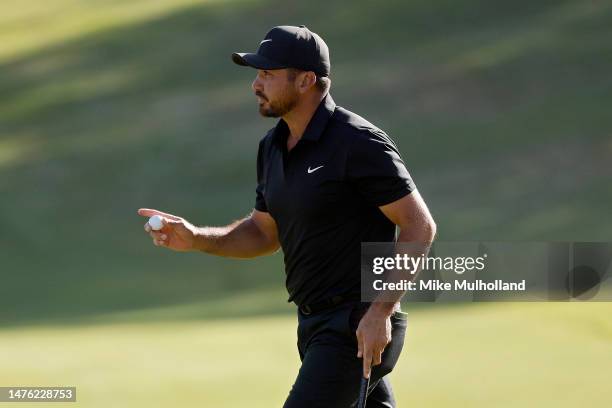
(423, 232)
(432, 230)
(273, 249)
(428, 231)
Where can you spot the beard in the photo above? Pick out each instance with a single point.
(279, 107)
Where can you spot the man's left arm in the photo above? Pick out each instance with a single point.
(411, 215)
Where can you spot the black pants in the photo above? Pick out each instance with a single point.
(330, 373)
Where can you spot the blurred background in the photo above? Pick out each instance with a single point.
(500, 109)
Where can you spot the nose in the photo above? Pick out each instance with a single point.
(256, 85)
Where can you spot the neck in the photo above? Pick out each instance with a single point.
(298, 118)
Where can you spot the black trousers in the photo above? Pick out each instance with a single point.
(330, 373)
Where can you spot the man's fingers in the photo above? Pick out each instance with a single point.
(359, 346)
(168, 225)
(159, 237)
(162, 236)
(367, 363)
(161, 240)
(149, 212)
(377, 358)
(172, 223)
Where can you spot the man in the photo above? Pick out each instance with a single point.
(327, 180)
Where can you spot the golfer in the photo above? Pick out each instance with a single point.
(327, 180)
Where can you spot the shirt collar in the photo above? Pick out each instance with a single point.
(317, 123)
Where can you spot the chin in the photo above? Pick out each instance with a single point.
(267, 113)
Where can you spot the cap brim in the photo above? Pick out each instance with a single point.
(256, 61)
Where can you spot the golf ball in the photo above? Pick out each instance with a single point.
(156, 222)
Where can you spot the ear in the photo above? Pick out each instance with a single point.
(306, 81)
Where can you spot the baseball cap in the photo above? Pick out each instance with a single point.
(289, 47)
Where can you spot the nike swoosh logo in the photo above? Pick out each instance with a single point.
(269, 39)
(313, 170)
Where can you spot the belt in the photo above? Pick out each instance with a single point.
(327, 304)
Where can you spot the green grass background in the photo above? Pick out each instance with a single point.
(501, 111)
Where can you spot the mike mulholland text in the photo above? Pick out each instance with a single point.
(438, 285)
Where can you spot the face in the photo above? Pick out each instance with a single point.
(276, 92)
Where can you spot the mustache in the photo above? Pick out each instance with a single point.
(261, 95)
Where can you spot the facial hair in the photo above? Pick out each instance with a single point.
(283, 104)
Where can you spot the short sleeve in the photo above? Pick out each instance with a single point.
(376, 170)
(260, 202)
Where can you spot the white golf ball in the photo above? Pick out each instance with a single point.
(156, 223)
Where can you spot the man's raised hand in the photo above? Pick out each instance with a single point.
(176, 233)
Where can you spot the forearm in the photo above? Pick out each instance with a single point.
(241, 239)
(417, 243)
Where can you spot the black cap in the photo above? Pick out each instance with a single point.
(289, 47)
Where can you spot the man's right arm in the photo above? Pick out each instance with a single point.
(249, 237)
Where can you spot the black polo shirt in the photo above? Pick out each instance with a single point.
(324, 195)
